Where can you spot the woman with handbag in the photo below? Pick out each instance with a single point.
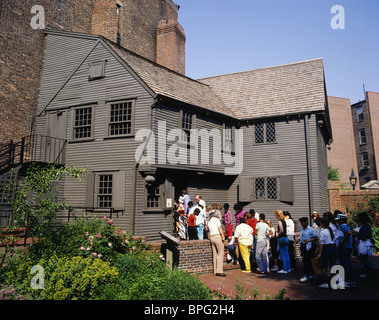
(283, 242)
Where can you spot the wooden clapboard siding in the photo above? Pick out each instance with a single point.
(286, 157)
(65, 85)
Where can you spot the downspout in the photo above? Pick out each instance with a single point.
(309, 166)
(134, 182)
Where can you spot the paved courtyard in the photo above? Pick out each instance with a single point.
(295, 290)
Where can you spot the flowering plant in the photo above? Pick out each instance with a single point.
(108, 241)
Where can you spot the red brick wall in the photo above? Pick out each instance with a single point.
(339, 199)
(171, 45)
(22, 48)
(195, 256)
(21, 59)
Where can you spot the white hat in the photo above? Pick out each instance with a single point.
(341, 216)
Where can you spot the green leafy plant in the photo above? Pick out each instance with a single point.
(333, 174)
(35, 202)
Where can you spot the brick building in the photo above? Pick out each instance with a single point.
(133, 24)
(341, 153)
(365, 115)
(355, 138)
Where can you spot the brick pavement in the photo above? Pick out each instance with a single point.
(366, 288)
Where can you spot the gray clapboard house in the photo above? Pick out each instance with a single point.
(261, 134)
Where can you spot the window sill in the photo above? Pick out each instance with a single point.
(264, 143)
(147, 211)
(119, 137)
(81, 140)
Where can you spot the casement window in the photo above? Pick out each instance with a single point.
(105, 190)
(265, 133)
(153, 197)
(121, 118)
(266, 188)
(278, 188)
(360, 116)
(365, 159)
(187, 120)
(362, 136)
(228, 138)
(83, 123)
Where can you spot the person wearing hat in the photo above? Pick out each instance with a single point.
(345, 247)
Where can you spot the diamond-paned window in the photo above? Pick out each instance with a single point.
(272, 188)
(260, 188)
(266, 188)
(265, 133)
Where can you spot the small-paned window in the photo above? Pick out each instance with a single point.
(83, 123)
(265, 133)
(228, 138)
(105, 190)
(153, 200)
(187, 125)
(362, 136)
(266, 188)
(120, 119)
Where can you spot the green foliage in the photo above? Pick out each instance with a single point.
(146, 277)
(333, 174)
(78, 278)
(369, 207)
(36, 202)
(87, 237)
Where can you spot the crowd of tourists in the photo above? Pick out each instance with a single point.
(252, 240)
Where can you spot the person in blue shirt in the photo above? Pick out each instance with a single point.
(308, 238)
(345, 247)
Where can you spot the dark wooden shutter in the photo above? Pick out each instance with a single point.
(119, 191)
(286, 189)
(244, 189)
(90, 189)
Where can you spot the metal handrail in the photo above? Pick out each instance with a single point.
(32, 148)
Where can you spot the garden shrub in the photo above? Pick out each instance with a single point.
(77, 278)
(180, 285)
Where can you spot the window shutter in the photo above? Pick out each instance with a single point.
(286, 189)
(244, 189)
(90, 189)
(119, 191)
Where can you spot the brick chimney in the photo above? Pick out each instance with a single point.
(171, 45)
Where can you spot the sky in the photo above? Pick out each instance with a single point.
(226, 36)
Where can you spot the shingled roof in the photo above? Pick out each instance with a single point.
(272, 91)
(166, 82)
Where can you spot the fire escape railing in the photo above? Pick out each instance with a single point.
(34, 148)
